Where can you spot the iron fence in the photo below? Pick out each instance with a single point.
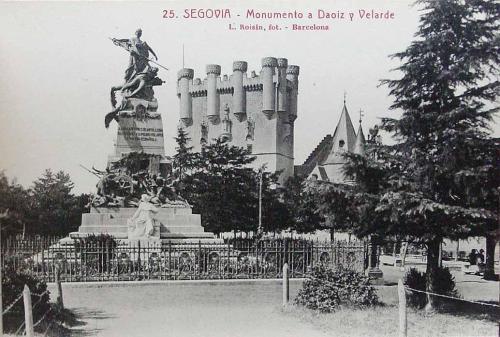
(235, 259)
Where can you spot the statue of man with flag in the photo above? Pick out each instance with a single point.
(139, 54)
(140, 76)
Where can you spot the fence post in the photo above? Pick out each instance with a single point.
(402, 309)
(59, 287)
(286, 285)
(2, 256)
(28, 312)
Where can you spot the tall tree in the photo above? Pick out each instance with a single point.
(300, 203)
(184, 157)
(449, 74)
(15, 205)
(222, 188)
(56, 210)
(276, 213)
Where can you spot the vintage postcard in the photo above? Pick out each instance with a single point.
(249, 168)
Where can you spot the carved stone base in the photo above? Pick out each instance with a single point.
(214, 119)
(135, 103)
(186, 122)
(269, 113)
(240, 116)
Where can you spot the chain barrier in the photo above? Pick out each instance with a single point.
(40, 295)
(33, 307)
(48, 327)
(19, 329)
(7, 309)
(43, 317)
(36, 303)
(453, 298)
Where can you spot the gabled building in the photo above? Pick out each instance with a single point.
(326, 161)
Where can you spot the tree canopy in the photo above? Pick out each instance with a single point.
(46, 208)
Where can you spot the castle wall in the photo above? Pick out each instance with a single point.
(256, 112)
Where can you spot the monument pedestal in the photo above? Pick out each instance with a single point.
(173, 224)
(139, 131)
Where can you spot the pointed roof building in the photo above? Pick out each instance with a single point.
(359, 145)
(326, 161)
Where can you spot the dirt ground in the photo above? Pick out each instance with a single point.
(201, 309)
(218, 308)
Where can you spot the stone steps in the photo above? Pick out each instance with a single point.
(177, 225)
(129, 211)
(163, 235)
(174, 222)
(124, 229)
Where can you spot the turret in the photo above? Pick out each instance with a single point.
(292, 74)
(184, 78)
(359, 144)
(282, 94)
(268, 89)
(239, 68)
(213, 72)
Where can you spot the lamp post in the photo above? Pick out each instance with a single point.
(3, 215)
(261, 173)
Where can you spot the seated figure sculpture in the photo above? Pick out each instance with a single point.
(142, 223)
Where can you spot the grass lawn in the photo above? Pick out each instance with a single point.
(383, 321)
(456, 318)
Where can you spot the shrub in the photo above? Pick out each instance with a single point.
(97, 251)
(444, 284)
(326, 289)
(13, 282)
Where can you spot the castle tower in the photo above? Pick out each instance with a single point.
(256, 112)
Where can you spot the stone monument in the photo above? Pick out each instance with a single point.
(135, 200)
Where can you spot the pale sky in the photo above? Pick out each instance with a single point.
(58, 66)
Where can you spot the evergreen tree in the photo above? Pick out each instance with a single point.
(302, 204)
(15, 207)
(276, 214)
(183, 158)
(56, 210)
(222, 188)
(47, 208)
(449, 74)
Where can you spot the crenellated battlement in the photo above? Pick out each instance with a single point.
(250, 109)
(225, 85)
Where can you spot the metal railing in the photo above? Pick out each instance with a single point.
(235, 259)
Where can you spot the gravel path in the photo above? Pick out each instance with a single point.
(202, 309)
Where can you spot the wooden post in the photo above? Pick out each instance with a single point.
(440, 261)
(59, 287)
(286, 285)
(402, 309)
(28, 312)
(1, 279)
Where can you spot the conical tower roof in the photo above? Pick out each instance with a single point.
(344, 139)
(359, 145)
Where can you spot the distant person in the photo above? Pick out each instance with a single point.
(473, 257)
(480, 257)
